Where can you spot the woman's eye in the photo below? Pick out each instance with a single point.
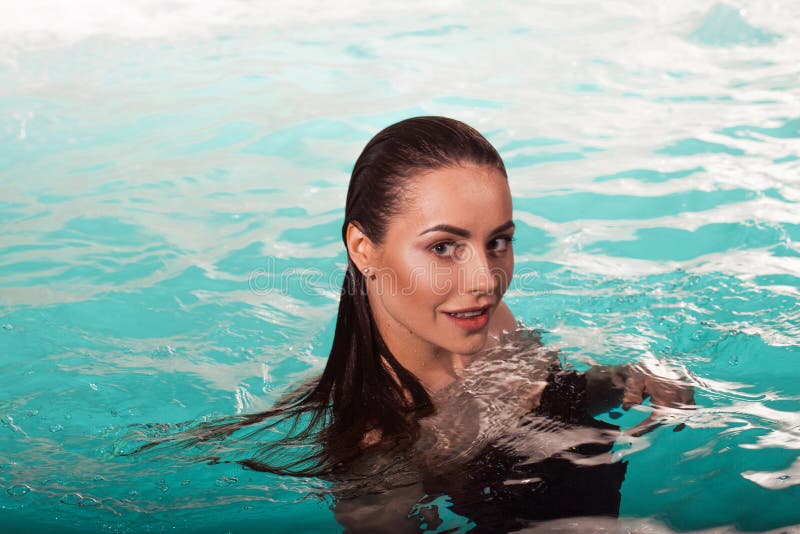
(500, 244)
(445, 248)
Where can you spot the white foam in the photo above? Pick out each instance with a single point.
(49, 21)
(776, 480)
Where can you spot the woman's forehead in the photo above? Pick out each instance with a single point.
(464, 194)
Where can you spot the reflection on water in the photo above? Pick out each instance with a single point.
(156, 160)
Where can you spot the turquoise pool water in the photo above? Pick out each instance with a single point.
(173, 181)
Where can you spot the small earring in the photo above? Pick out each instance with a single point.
(367, 272)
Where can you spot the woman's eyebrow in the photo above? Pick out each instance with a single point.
(505, 226)
(464, 233)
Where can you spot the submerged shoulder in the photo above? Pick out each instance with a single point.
(502, 322)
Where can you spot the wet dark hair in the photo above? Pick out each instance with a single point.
(357, 393)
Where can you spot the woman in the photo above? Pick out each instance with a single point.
(424, 348)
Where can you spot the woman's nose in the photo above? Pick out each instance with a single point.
(475, 271)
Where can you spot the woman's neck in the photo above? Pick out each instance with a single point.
(438, 372)
(435, 368)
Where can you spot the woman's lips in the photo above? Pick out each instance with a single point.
(470, 319)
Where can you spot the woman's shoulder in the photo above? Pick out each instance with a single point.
(507, 335)
(502, 322)
(518, 351)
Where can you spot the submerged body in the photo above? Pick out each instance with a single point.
(512, 441)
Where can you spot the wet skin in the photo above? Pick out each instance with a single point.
(438, 276)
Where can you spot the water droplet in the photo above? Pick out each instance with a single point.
(72, 499)
(33, 412)
(93, 386)
(68, 416)
(56, 428)
(184, 483)
(19, 490)
(224, 481)
(8, 326)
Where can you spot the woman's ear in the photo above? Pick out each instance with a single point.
(359, 246)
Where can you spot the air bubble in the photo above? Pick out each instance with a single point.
(56, 428)
(19, 490)
(733, 360)
(8, 326)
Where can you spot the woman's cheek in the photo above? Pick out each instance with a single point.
(422, 275)
(505, 273)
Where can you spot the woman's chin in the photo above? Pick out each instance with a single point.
(472, 345)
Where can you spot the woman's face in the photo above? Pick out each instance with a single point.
(445, 262)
